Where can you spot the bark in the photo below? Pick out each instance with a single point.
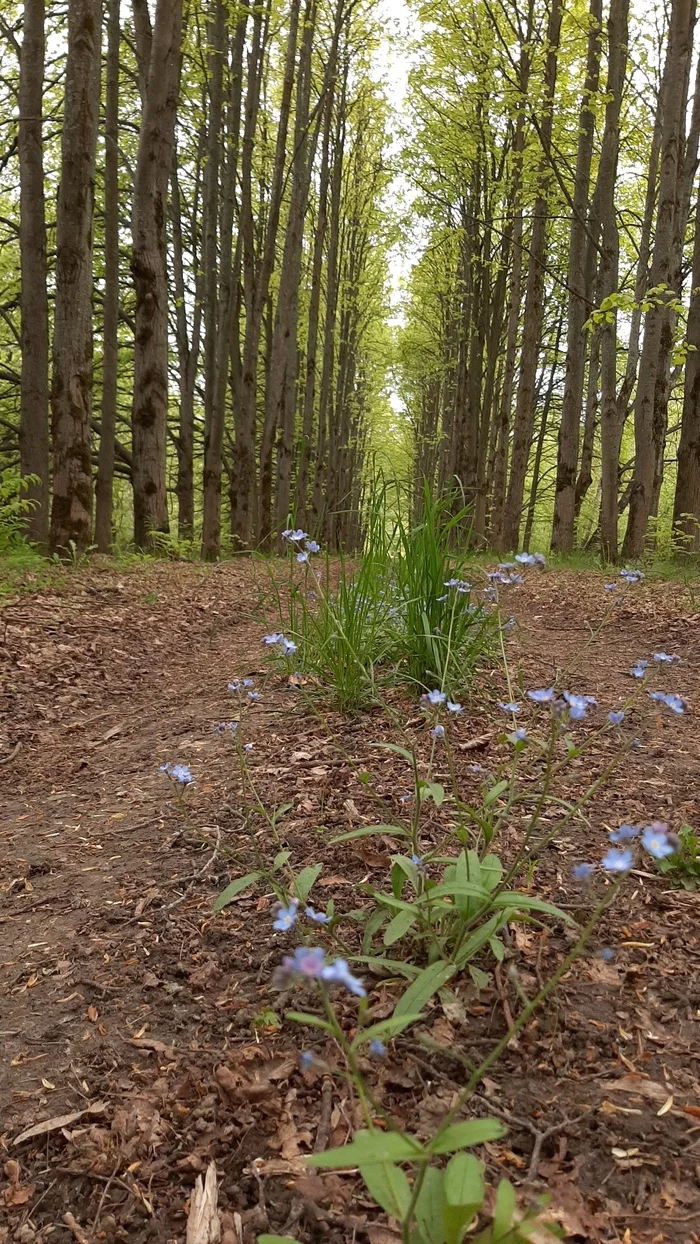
(188, 359)
(585, 475)
(541, 435)
(148, 265)
(658, 317)
(612, 412)
(34, 384)
(110, 347)
(71, 381)
(500, 474)
(256, 288)
(579, 298)
(532, 315)
(213, 427)
(686, 504)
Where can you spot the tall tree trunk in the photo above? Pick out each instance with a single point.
(34, 385)
(71, 382)
(257, 289)
(585, 475)
(532, 315)
(686, 504)
(539, 448)
(579, 302)
(213, 427)
(657, 322)
(148, 266)
(110, 347)
(188, 359)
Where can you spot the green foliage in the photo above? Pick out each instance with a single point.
(14, 507)
(683, 868)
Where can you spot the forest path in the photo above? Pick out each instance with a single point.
(116, 993)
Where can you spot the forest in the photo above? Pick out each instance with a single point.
(238, 278)
(349, 615)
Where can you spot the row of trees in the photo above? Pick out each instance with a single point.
(193, 266)
(551, 354)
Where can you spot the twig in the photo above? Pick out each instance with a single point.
(81, 1236)
(196, 876)
(105, 1190)
(6, 759)
(529, 1126)
(324, 1123)
(508, 1014)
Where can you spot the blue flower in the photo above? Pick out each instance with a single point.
(582, 872)
(441, 599)
(540, 560)
(275, 638)
(308, 961)
(419, 862)
(302, 557)
(438, 731)
(514, 578)
(454, 708)
(544, 696)
(339, 973)
(288, 647)
(235, 685)
(247, 682)
(616, 719)
(254, 696)
(624, 834)
(476, 768)
(179, 773)
(578, 705)
(655, 841)
(306, 1060)
(247, 747)
(662, 658)
(607, 954)
(286, 916)
(435, 697)
(632, 576)
(489, 593)
(226, 727)
(508, 626)
(518, 736)
(377, 1047)
(525, 559)
(508, 708)
(610, 587)
(617, 861)
(638, 669)
(294, 536)
(405, 798)
(506, 565)
(313, 546)
(496, 576)
(318, 917)
(675, 702)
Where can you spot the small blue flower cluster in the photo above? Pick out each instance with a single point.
(180, 774)
(435, 699)
(656, 839)
(296, 537)
(310, 963)
(632, 576)
(226, 727)
(277, 639)
(287, 915)
(239, 685)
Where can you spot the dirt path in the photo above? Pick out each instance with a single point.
(121, 993)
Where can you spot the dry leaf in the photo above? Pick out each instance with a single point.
(639, 1085)
(61, 1120)
(18, 1195)
(92, 1014)
(150, 1043)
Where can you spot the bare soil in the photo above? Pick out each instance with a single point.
(128, 1005)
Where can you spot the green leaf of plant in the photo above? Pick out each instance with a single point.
(236, 887)
(494, 792)
(491, 871)
(304, 881)
(430, 1207)
(466, 1135)
(503, 1209)
(394, 747)
(302, 1017)
(367, 1148)
(276, 1239)
(367, 830)
(396, 966)
(280, 859)
(389, 1187)
(498, 950)
(454, 888)
(478, 939)
(384, 1028)
(396, 928)
(480, 979)
(434, 791)
(464, 1181)
(525, 902)
(424, 986)
(373, 924)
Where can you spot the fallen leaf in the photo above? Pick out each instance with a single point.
(150, 1043)
(637, 1084)
(666, 1107)
(18, 1195)
(60, 1120)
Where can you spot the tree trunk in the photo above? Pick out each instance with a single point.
(658, 317)
(34, 385)
(532, 315)
(578, 303)
(585, 475)
(148, 266)
(686, 504)
(213, 426)
(188, 359)
(71, 382)
(541, 434)
(110, 348)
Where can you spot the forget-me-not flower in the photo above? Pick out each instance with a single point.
(655, 841)
(435, 697)
(226, 727)
(518, 736)
(286, 916)
(318, 917)
(302, 557)
(377, 1048)
(617, 861)
(438, 731)
(616, 718)
(624, 834)
(525, 559)
(582, 872)
(179, 773)
(508, 708)
(275, 638)
(544, 696)
(339, 973)
(663, 658)
(313, 546)
(454, 707)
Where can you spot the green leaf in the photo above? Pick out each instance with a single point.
(236, 887)
(478, 939)
(396, 928)
(503, 1209)
(367, 1148)
(498, 950)
(302, 1017)
(367, 830)
(373, 925)
(430, 1208)
(495, 791)
(464, 1181)
(434, 791)
(395, 966)
(466, 1135)
(276, 1239)
(389, 1187)
(424, 986)
(491, 871)
(454, 888)
(305, 880)
(525, 902)
(394, 747)
(480, 979)
(280, 859)
(384, 1028)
